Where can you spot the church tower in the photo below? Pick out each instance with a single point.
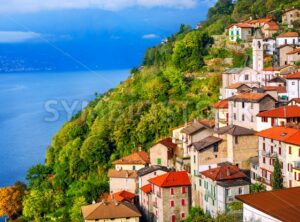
(258, 51)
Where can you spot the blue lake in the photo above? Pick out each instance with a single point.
(33, 108)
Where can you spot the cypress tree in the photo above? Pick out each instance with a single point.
(277, 181)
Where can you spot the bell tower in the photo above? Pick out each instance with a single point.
(258, 51)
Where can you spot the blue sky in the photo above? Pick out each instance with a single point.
(99, 34)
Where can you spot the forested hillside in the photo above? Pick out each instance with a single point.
(173, 85)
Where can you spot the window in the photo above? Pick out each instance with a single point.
(183, 190)
(240, 190)
(264, 147)
(290, 150)
(246, 77)
(234, 116)
(243, 117)
(133, 167)
(279, 150)
(173, 218)
(228, 192)
(252, 119)
(270, 161)
(272, 149)
(158, 161)
(252, 105)
(182, 215)
(264, 119)
(234, 104)
(172, 203)
(243, 104)
(264, 159)
(172, 191)
(194, 157)
(216, 148)
(182, 202)
(200, 182)
(236, 138)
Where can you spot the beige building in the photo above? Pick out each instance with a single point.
(269, 29)
(293, 56)
(290, 16)
(282, 52)
(120, 180)
(243, 108)
(163, 153)
(111, 212)
(235, 89)
(171, 196)
(135, 161)
(221, 113)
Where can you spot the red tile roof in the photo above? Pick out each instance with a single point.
(222, 104)
(270, 68)
(288, 34)
(224, 172)
(141, 157)
(293, 76)
(278, 89)
(294, 51)
(272, 26)
(297, 100)
(171, 179)
(262, 20)
(235, 85)
(146, 189)
(283, 204)
(168, 143)
(282, 112)
(112, 173)
(278, 133)
(207, 123)
(124, 196)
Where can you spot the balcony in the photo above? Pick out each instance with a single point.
(264, 180)
(269, 154)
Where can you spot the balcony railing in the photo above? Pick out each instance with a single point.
(269, 154)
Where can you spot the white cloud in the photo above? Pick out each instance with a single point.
(16, 36)
(111, 5)
(150, 36)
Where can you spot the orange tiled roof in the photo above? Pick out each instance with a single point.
(222, 104)
(224, 172)
(282, 112)
(146, 189)
(279, 89)
(272, 26)
(253, 97)
(168, 143)
(235, 85)
(124, 196)
(122, 174)
(294, 51)
(297, 100)
(270, 68)
(293, 76)
(262, 20)
(288, 34)
(141, 157)
(207, 123)
(278, 133)
(171, 179)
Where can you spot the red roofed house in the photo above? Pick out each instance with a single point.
(162, 153)
(258, 23)
(221, 113)
(278, 117)
(240, 31)
(269, 29)
(283, 142)
(135, 161)
(235, 88)
(293, 85)
(287, 38)
(171, 196)
(146, 202)
(220, 185)
(293, 56)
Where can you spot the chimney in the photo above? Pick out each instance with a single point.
(228, 171)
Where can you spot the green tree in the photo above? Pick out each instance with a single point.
(277, 180)
(196, 214)
(75, 212)
(257, 187)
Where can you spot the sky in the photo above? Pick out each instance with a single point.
(88, 34)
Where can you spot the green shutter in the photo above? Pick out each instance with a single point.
(200, 184)
(158, 161)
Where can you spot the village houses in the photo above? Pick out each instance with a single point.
(293, 85)
(289, 16)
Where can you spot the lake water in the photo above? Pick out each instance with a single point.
(33, 108)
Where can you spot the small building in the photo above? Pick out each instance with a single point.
(295, 101)
(146, 203)
(234, 89)
(293, 85)
(293, 56)
(270, 45)
(135, 161)
(163, 152)
(278, 117)
(111, 212)
(281, 54)
(287, 38)
(284, 143)
(221, 113)
(269, 29)
(277, 81)
(277, 92)
(240, 31)
(120, 180)
(259, 23)
(171, 196)
(289, 16)
(220, 185)
(243, 108)
(272, 206)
